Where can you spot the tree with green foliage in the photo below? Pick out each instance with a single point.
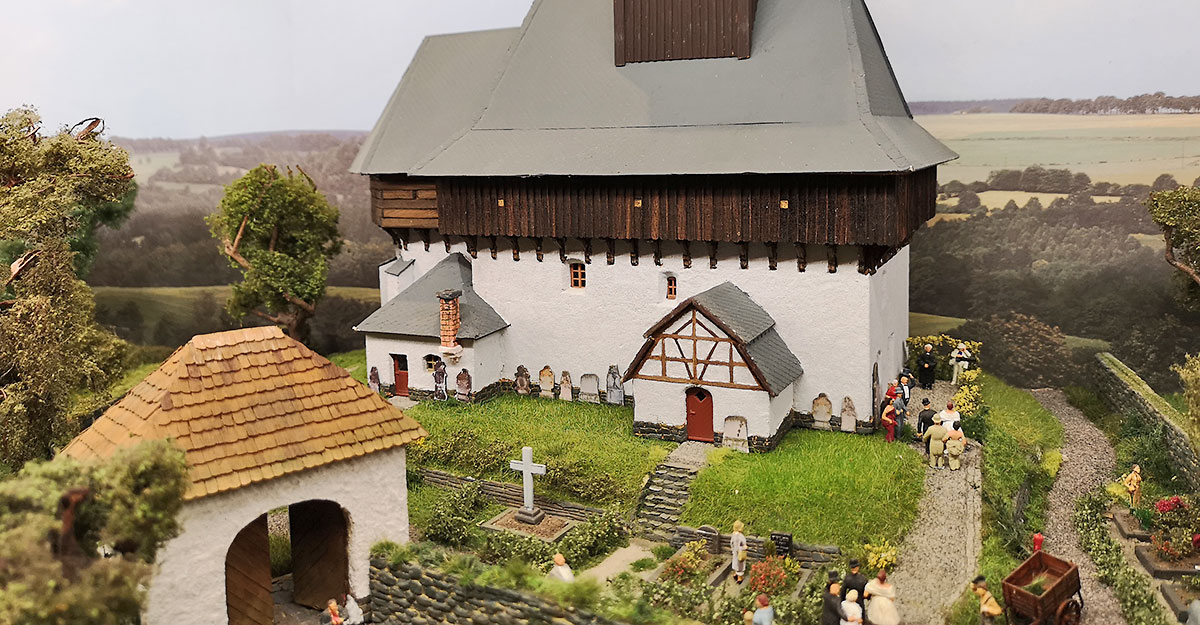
(1021, 349)
(50, 345)
(56, 517)
(1177, 212)
(280, 232)
(1165, 182)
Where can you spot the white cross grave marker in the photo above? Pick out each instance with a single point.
(529, 513)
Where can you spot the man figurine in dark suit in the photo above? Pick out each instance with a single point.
(925, 420)
(926, 367)
(831, 609)
(855, 581)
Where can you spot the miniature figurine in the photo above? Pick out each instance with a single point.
(936, 435)
(463, 392)
(901, 406)
(331, 610)
(615, 392)
(850, 608)
(927, 367)
(960, 358)
(561, 571)
(854, 581)
(956, 444)
(748, 617)
(522, 381)
(889, 422)
(765, 614)
(988, 608)
(373, 380)
(882, 608)
(949, 415)
(439, 381)
(905, 387)
(831, 607)
(354, 614)
(1038, 539)
(739, 550)
(565, 388)
(1132, 482)
(924, 419)
(1193, 613)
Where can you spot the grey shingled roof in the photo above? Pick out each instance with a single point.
(416, 310)
(396, 266)
(816, 95)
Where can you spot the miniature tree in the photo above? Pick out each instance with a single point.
(50, 346)
(55, 518)
(1177, 212)
(280, 232)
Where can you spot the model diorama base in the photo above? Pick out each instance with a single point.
(547, 528)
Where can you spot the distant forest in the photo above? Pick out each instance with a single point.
(1143, 104)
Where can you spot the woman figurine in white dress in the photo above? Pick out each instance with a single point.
(737, 547)
(882, 608)
(851, 608)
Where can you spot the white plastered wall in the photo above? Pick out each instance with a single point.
(666, 403)
(889, 322)
(825, 318)
(188, 587)
(480, 358)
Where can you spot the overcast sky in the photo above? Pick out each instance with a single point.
(185, 69)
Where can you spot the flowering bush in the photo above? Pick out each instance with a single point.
(969, 397)
(1169, 504)
(1174, 544)
(1176, 512)
(689, 566)
(769, 576)
(881, 556)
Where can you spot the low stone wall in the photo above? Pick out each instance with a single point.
(409, 594)
(1126, 393)
(510, 495)
(809, 556)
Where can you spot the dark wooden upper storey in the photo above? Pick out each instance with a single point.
(834, 209)
(664, 30)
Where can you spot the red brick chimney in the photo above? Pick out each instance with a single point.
(451, 321)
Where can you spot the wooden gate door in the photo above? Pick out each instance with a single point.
(400, 370)
(320, 566)
(248, 577)
(699, 415)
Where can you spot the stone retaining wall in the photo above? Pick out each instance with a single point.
(510, 495)
(1126, 393)
(809, 556)
(409, 594)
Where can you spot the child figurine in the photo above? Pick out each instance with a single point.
(738, 548)
(1132, 482)
(765, 614)
(851, 611)
(988, 608)
(331, 609)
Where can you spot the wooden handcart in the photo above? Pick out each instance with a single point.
(1061, 601)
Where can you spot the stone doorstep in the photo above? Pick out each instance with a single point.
(1161, 570)
(1171, 593)
(1132, 531)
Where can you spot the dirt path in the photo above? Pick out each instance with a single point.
(1088, 461)
(940, 554)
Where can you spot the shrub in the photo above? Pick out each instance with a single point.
(516, 574)
(281, 554)
(968, 399)
(689, 567)
(881, 556)
(662, 552)
(1022, 350)
(395, 553)
(501, 547)
(581, 594)
(643, 564)
(1189, 377)
(1131, 588)
(453, 519)
(581, 480)
(461, 448)
(589, 542)
(769, 576)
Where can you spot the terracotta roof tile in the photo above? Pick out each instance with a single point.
(246, 406)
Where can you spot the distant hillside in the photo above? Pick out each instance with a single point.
(964, 106)
(286, 139)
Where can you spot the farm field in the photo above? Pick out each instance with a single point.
(1124, 149)
(145, 164)
(997, 199)
(178, 302)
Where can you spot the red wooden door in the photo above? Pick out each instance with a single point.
(320, 563)
(248, 577)
(699, 415)
(400, 370)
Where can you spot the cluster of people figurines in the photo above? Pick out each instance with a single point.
(943, 436)
(857, 600)
(941, 431)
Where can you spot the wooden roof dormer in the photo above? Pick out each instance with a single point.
(667, 30)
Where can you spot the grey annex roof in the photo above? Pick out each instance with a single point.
(749, 325)
(396, 266)
(816, 95)
(416, 310)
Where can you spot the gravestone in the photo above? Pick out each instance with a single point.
(373, 379)
(735, 434)
(822, 410)
(711, 538)
(615, 393)
(463, 392)
(783, 543)
(849, 415)
(565, 387)
(529, 513)
(522, 381)
(439, 381)
(589, 388)
(546, 382)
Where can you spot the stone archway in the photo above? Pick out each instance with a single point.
(319, 532)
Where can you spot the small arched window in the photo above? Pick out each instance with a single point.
(670, 287)
(431, 362)
(578, 276)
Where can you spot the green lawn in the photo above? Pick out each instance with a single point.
(823, 487)
(355, 362)
(590, 451)
(1016, 412)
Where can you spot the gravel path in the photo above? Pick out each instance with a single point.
(1088, 462)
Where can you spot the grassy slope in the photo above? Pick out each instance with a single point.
(598, 437)
(922, 324)
(824, 487)
(355, 362)
(178, 302)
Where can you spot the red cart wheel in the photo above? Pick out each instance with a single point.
(1069, 613)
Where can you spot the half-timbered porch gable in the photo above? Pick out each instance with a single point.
(719, 338)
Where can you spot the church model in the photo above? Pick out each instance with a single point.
(712, 199)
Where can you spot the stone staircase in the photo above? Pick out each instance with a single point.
(663, 498)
